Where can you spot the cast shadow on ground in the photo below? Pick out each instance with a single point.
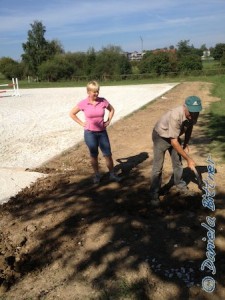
(167, 240)
(126, 164)
(188, 176)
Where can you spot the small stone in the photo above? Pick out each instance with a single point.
(31, 228)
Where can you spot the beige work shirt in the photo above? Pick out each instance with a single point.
(171, 124)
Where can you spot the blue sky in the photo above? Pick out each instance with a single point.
(82, 24)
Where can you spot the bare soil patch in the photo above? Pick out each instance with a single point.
(64, 238)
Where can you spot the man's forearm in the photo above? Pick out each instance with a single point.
(187, 135)
(176, 145)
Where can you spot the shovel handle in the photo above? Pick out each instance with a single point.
(199, 178)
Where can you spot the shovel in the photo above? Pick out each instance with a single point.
(198, 177)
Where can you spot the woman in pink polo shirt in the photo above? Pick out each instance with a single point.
(95, 134)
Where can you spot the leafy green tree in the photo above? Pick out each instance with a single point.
(222, 60)
(55, 69)
(218, 51)
(160, 63)
(196, 51)
(49, 70)
(124, 65)
(106, 62)
(11, 68)
(90, 66)
(203, 47)
(190, 62)
(4, 62)
(111, 61)
(78, 62)
(183, 48)
(145, 63)
(55, 47)
(37, 49)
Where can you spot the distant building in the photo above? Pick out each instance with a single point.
(135, 56)
(206, 55)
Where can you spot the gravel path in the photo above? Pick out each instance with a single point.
(36, 126)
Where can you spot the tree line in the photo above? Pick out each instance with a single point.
(47, 61)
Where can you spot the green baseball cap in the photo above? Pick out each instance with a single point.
(193, 104)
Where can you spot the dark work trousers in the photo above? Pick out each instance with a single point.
(160, 146)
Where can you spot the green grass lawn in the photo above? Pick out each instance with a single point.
(211, 64)
(216, 127)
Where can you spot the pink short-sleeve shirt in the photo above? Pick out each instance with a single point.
(94, 114)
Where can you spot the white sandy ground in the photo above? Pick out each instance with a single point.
(36, 126)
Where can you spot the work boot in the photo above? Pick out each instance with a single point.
(96, 178)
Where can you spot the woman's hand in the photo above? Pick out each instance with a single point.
(111, 113)
(73, 115)
(106, 123)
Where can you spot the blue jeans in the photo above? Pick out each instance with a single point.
(160, 146)
(95, 139)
